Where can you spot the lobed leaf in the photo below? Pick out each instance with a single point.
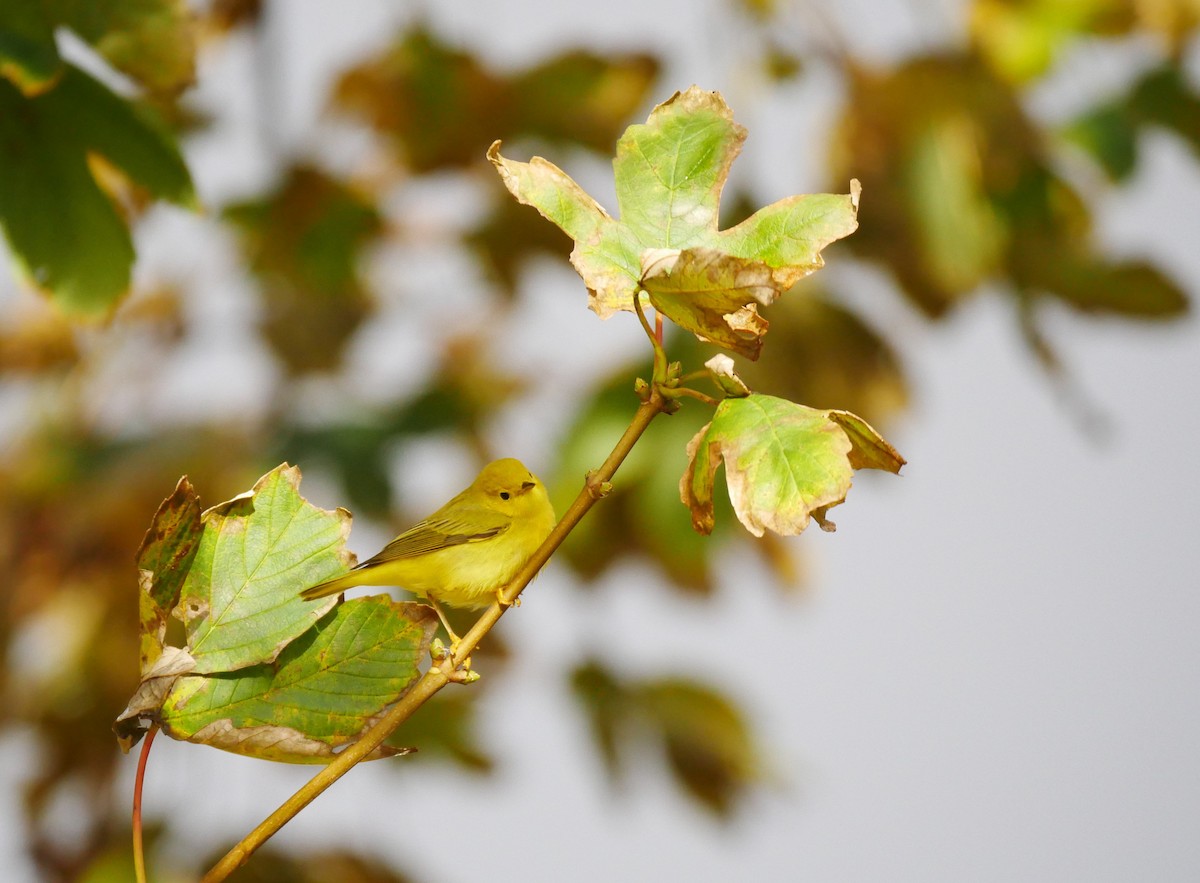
(240, 603)
(669, 174)
(783, 463)
(62, 228)
(322, 692)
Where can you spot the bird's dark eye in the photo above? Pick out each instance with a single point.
(504, 495)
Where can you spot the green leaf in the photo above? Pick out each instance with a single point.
(28, 54)
(60, 225)
(640, 518)
(322, 692)
(1109, 134)
(783, 463)
(1130, 289)
(669, 174)
(446, 728)
(163, 561)
(440, 107)
(607, 704)
(708, 744)
(1166, 97)
(303, 241)
(240, 602)
(1021, 40)
(153, 41)
(822, 352)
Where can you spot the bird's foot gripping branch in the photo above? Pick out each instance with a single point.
(266, 672)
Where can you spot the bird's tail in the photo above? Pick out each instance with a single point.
(331, 586)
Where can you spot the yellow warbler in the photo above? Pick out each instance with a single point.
(466, 551)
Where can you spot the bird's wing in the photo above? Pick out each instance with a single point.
(468, 524)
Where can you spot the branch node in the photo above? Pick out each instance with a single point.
(597, 489)
(464, 675)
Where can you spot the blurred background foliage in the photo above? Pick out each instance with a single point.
(966, 190)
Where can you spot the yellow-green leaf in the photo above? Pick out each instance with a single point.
(240, 602)
(322, 692)
(783, 463)
(669, 174)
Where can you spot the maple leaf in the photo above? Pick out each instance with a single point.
(669, 173)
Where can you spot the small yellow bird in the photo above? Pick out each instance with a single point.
(466, 551)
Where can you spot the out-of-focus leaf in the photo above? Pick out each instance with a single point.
(240, 602)
(466, 390)
(303, 241)
(152, 41)
(821, 352)
(1133, 289)
(429, 98)
(38, 344)
(577, 98)
(226, 15)
(28, 54)
(445, 728)
(325, 688)
(441, 108)
(1109, 134)
(640, 515)
(1022, 39)
(61, 227)
(607, 704)
(669, 173)
(707, 743)
(782, 65)
(509, 236)
(783, 463)
(958, 230)
(1162, 97)
(931, 142)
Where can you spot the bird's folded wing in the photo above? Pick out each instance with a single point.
(468, 524)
